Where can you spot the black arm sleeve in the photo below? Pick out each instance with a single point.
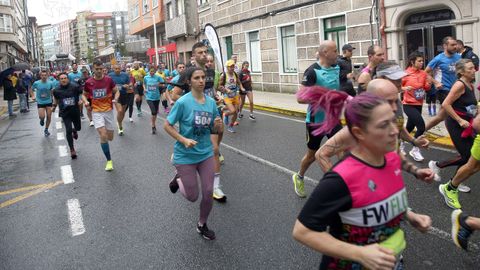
(344, 70)
(329, 197)
(309, 77)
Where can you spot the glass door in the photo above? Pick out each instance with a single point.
(417, 40)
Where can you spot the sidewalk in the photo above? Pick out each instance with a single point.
(287, 104)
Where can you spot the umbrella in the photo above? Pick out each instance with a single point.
(21, 66)
(5, 73)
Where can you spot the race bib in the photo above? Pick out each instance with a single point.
(69, 101)
(43, 95)
(99, 93)
(152, 88)
(471, 110)
(201, 122)
(419, 94)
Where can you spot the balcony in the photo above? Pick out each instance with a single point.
(176, 27)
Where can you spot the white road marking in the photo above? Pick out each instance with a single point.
(67, 174)
(447, 236)
(75, 217)
(60, 136)
(58, 125)
(62, 150)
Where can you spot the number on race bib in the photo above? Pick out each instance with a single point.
(99, 93)
(69, 101)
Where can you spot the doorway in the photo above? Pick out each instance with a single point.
(426, 30)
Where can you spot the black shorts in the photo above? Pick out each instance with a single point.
(313, 142)
(153, 104)
(44, 105)
(442, 95)
(245, 92)
(431, 98)
(125, 98)
(139, 89)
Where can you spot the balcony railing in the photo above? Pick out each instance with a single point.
(176, 27)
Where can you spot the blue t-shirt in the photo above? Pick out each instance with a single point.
(54, 81)
(152, 89)
(195, 121)
(120, 80)
(444, 69)
(74, 77)
(173, 82)
(175, 73)
(328, 77)
(43, 91)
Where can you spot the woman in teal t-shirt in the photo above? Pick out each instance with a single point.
(151, 84)
(197, 117)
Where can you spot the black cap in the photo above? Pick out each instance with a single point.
(348, 47)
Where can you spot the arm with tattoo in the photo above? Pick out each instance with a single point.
(336, 145)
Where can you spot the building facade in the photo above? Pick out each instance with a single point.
(64, 37)
(50, 40)
(13, 32)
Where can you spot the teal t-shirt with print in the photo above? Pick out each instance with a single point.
(43, 91)
(152, 89)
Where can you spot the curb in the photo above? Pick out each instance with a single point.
(3, 110)
(434, 139)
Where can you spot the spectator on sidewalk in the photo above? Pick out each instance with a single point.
(467, 53)
(376, 55)
(346, 75)
(27, 81)
(22, 93)
(9, 93)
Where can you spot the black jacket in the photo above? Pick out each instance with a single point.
(10, 92)
(469, 54)
(346, 84)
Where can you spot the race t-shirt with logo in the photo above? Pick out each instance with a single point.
(152, 89)
(444, 69)
(74, 76)
(417, 80)
(101, 93)
(120, 79)
(466, 104)
(67, 98)
(327, 77)
(195, 122)
(43, 91)
(138, 75)
(360, 204)
(231, 83)
(173, 82)
(54, 81)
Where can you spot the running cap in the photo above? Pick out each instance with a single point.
(393, 73)
(230, 63)
(348, 47)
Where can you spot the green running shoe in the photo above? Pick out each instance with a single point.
(450, 196)
(299, 185)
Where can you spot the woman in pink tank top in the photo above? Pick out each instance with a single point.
(362, 200)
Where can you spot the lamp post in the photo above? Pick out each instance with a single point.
(154, 35)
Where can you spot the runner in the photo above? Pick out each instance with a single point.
(67, 97)
(414, 86)
(101, 89)
(199, 52)
(74, 76)
(339, 219)
(246, 81)
(197, 116)
(343, 141)
(230, 85)
(165, 97)
(122, 81)
(376, 55)
(323, 73)
(152, 84)
(131, 93)
(138, 74)
(81, 83)
(344, 62)
(43, 94)
(461, 107)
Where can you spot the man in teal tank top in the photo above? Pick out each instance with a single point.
(325, 72)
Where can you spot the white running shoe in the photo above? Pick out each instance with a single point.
(131, 120)
(402, 148)
(433, 166)
(464, 188)
(91, 123)
(218, 194)
(415, 154)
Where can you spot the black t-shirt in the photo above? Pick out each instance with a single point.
(67, 97)
(209, 81)
(310, 76)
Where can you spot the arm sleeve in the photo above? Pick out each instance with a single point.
(343, 69)
(176, 113)
(309, 77)
(329, 197)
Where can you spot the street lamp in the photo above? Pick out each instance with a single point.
(154, 34)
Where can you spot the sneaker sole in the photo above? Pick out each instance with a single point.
(220, 199)
(455, 226)
(464, 189)
(445, 198)
(295, 188)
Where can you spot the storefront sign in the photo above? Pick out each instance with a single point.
(430, 16)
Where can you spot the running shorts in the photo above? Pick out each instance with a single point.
(313, 142)
(442, 95)
(475, 151)
(139, 89)
(234, 101)
(44, 105)
(103, 119)
(153, 104)
(123, 99)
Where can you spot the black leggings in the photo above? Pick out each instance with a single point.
(463, 145)
(153, 104)
(415, 119)
(69, 119)
(130, 99)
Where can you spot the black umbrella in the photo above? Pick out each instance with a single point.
(5, 73)
(21, 66)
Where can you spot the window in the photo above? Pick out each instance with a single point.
(169, 11)
(135, 12)
(335, 30)
(254, 46)
(145, 6)
(99, 21)
(202, 2)
(289, 49)
(5, 2)
(5, 23)
(180, 7)
(229, 46)
(154, 4)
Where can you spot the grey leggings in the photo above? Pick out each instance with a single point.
(189, 186)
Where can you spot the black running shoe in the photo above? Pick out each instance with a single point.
(154, 130)
(75, 134)
(461, 232)
(173, 185)
(205, 232)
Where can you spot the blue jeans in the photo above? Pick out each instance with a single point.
(10, 107)
(23, 101)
